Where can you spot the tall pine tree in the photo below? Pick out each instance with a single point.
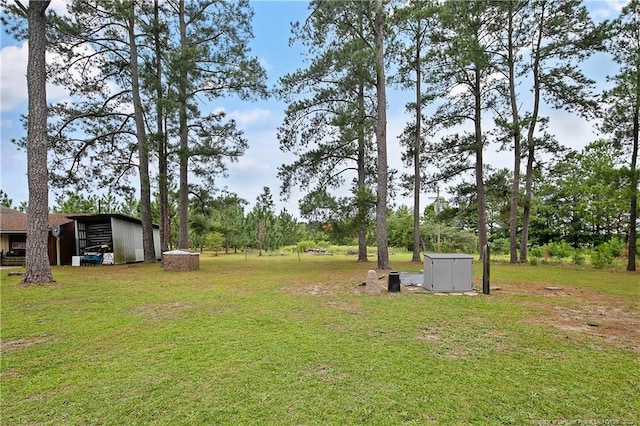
(621, 118)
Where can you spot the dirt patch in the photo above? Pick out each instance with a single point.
(10, 374)
(614, 325)
(343, 305)
(20, 343)
(354, 287)
(523, 288)
(613, 319)
(163, 311)
(427, 336)
(456, 341)
(324, 373)
(323, 289)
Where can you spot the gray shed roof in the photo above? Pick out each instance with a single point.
(448, 256)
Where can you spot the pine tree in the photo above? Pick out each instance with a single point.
(330, 127)
(464, 61)
(563, 36)
(37, 269)
(511, 41)
(621, 119)
(95, 139)
(416, 20)
(211, 60)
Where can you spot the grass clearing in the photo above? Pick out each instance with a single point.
(274, 340)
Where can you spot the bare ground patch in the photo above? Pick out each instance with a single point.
(613, 319)
(455, 341)
(22, 343)
(10, 374)
(163, 311)
(324, 373)
(343, 305)
(323, 289)
(613, 325)
(353, 283)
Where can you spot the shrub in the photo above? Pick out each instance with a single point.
(601, 256)
(536, 251)
(304, 245)
(214, 241)
(533, 261)
(500, 246)
(578, 257)
(615, 246)
(604, 254)
(560, 249)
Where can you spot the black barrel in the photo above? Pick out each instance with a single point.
(394, 282)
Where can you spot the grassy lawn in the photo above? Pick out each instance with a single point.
(274, 340)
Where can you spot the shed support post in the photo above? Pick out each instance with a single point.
(58, 251)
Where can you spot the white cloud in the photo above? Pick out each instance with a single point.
(457, 90)
(601, 10)
(247, 164)
(572, 130)
(13, 82)
(59, 6)
(13, 77)
(250, 117)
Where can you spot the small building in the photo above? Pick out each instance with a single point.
(123, 233)
(13, 238)
(76, 232)
(448, 272)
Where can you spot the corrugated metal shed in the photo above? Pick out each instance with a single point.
(123, 232)
(127, 240)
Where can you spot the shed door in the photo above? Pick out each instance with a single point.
(442, 274)
(428, 273)
(462, 275)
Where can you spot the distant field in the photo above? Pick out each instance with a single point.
(277, 340)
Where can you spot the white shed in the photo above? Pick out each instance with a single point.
(448, 272)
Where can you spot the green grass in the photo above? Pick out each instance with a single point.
(274, 340)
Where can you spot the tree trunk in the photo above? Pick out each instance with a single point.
(526, 211)
(362, 208)
(148, 247)
(416, 156)
(163, 184)
(633, 211)
(479, 148)
(515, 120)
(183, 237)
(37, 268)
(381, 140)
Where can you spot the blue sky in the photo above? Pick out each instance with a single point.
(259, 119)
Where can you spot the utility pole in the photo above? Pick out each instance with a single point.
(438, 207)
